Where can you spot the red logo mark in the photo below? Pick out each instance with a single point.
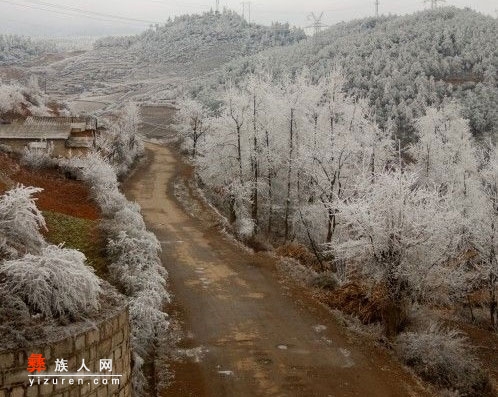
(36, 362)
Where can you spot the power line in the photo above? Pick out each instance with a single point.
(87, 12)
(80, 14)
(52, 11)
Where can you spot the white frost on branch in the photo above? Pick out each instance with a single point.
(55, 283)
(136, 266)
(20, 222)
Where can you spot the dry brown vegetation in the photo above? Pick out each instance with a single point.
(300, 253)
(356, 299)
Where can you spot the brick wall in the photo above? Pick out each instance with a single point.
(109, 339)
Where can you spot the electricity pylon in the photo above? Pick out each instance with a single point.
(434, 3)
(377, 8)
(317, 24)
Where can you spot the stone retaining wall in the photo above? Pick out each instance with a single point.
(109, 339)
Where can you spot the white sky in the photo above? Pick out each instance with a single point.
(49, 18)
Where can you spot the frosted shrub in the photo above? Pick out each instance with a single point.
(93, 169)
(12, 309)
(55, 283)
(20, 222)
(442, 357)
(150, 320)
(37, 157)
(100, 175)
(134, 252)
(132, 258)
(109, 200)
(127, 218)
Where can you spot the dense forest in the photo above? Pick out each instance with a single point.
(401, 64)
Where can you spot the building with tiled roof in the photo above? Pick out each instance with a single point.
(69, 135)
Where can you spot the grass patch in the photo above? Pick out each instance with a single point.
(77, 233)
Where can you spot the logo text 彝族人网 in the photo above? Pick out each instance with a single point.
(63, 374)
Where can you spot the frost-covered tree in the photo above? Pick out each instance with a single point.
(444, 152)
(17, 49)
(18, 100)
(346, 142)
(282, 149)
(398, 233)
(224, 157)
(20, 222)
(445, 157)
(121, 145)
(483, 223)
(192, 122)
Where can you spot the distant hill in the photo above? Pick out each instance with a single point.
(202, 38)
(18, 49)
(402, 63)
(185, 47)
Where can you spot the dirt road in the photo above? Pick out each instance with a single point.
(259, 336)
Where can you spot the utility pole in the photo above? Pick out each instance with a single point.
(377, 8)
(217, 6)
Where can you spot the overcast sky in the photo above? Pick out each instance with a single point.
(101, 17)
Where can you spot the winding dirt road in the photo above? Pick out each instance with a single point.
(259, 336)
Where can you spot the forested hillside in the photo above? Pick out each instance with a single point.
(190, 45)
(196, 38)
(17, 49)
(402, 64)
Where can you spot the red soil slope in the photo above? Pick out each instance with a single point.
(60, 194)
